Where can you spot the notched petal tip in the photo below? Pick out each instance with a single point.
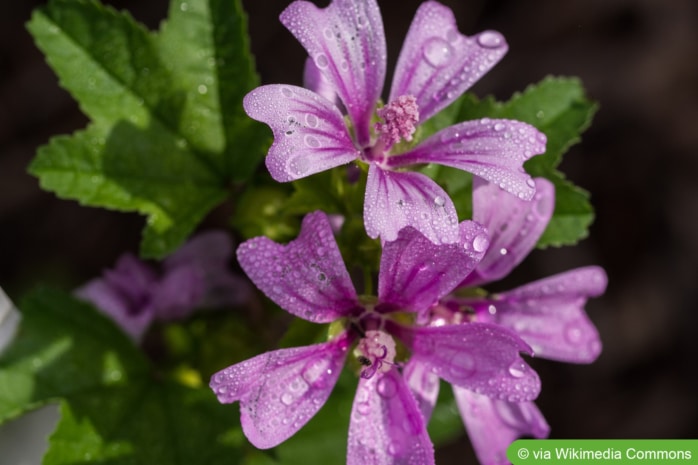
(310, 135)
(305, 277)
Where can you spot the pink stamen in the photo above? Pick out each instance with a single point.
(400, 117)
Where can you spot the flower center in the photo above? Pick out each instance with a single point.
(375, 352)
(399, 119)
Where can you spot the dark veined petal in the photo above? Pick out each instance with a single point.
(415, 273)
(424, 385)
(493, 424)
(347, 43)
(306, 277)
(437, 63)
(514, 225)
(477, 356)
(281, 391)
(549, 314)
(310, 134)
(395, 200)
(386, 427)
(494, 149)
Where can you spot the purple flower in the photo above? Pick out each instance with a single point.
(548, 314)
(135, 295)
(346, 46)
(280, 391)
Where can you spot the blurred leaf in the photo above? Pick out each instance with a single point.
(115, 410)
(168, 132)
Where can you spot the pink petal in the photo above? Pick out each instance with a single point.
(514, 225)
(494, 424)
(347, 43)
(314, 80)
(398, 199)
(306, 277)
(280, 391)
(113, 303)
(415, 273)
(386, 427)
(310, 135)
(178, 293)
(492, 149)
(424, 385)
(477, 356)
(549, 314)
(210, 250)
(437, 63)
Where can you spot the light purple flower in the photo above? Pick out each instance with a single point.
(135, 295)
(548, 314)
(347, 66)
(280, 391)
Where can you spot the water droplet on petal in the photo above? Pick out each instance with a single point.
(321, 61)
(462, 365)
(503, 251)
(437, 52)
(573, 333)
(311, 120)
(499, 126)
(490, 39)
(311, 141)
(439, 201)
(517, 369)
(530, 182)
(387, 387)
(364, 408)
(480, 243)
(298, 166)
(286, 398)
(286, 92)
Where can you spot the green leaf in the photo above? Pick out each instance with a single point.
(168, 133)
(115, 409)
(559, 108)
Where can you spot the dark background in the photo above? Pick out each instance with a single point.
(638, 58)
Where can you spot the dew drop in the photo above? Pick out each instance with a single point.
(321, 61)
(299, 166)
(480, 243)
(530, 182)
(327, 32)
(490, 39)
(517, 369)
(439, 201)
(387, 387)
(573, 334)
(311, 120)
(492, 310)
(286, 92)
(437, 52)
(311, 141)
(503, 251)
(462, 365)
(286, 398)
(364, 408)
(499, 126)
(361, 21)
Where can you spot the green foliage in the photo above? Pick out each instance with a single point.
(559, 108)
(115, 408)
(168, 134)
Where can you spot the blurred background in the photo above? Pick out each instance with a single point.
(639, 160)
